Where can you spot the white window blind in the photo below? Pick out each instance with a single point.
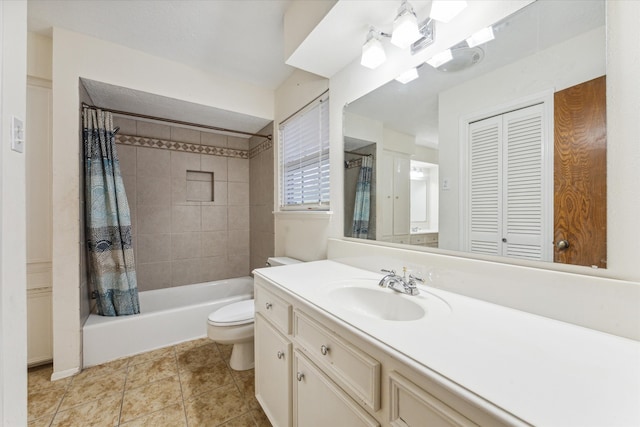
(304, 158)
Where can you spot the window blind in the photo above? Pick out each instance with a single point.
(304, 158)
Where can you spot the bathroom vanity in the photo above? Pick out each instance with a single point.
(333, 348)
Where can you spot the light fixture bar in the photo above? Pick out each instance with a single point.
(428, 32)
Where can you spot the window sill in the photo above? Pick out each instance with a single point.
(305, 215)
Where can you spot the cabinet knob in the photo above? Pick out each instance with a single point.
(562, 245)
(300, 376)
(268, 305)
(324, 349)
(280, 354)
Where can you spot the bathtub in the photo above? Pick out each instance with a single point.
(167, 316)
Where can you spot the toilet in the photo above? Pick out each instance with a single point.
(233, 324)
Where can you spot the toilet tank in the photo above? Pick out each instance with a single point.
(281, 260)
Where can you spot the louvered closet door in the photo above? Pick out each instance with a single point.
(485, 188)
(508, 213)
(523, 204)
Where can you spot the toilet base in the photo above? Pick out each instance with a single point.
(242, 356)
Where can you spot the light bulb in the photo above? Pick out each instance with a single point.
(409, 75)
(405, 30)
(479, 37)
(446, 10)
(372, 53)
(440, 58)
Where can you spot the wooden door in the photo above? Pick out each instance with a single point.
(580, 175)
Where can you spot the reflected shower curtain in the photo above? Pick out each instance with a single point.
(108, 223)
(363, 200)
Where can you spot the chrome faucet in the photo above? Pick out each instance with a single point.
(400, 284)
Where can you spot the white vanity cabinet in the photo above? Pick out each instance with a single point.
(312, 370)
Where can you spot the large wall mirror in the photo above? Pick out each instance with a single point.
(500, 151)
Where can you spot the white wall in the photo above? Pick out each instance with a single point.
(297, 232)
(575, 61)
(13, 315)
(76, 56)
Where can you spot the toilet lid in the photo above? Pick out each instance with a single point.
(237, 313)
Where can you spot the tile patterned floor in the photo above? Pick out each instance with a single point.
(189, 384)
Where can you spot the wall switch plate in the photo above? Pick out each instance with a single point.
(446, 185)
(17, 134)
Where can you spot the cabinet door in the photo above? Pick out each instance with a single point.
(401, 196)
(39, 333)
(319, 402)
(273, 372)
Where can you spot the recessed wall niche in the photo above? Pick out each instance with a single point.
(200, 186)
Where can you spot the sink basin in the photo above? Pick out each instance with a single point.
(377, 303)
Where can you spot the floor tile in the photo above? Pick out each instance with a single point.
(41, 422)
(205, 378)
(173, 416)
(39, 378)
(245, 420)
(44, 402)
(198, 357)
(260, 417)
(215, 407)
(225, 351)
(188, 345)
(154, 370)
(85, 390)
(108, 368)
(245, 382)
(160, 353)
(101, 412)
(150, 398)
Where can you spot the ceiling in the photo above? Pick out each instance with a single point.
(242, 40)
(239, 39)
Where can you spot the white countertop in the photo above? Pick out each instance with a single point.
(543, 371)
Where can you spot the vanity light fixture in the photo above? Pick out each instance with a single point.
(409, 75)
(440, 58)
(372, 51)
(482, 36)
(405, 27)
(446, 10)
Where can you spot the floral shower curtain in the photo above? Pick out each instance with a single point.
(108, 222)
(363, 200)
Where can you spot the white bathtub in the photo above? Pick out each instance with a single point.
(167, 317)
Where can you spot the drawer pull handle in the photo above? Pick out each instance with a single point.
(324, 349)
(300, 376)
(268, 305)
(280, 354)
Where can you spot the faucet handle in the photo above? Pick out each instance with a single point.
(388, 271)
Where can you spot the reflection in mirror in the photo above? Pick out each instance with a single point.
(508, 139)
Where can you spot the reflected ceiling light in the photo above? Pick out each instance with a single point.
(405, 27)
(407, 76)
(446, 10)
(482, 36)
(440, 58)
(372, 51)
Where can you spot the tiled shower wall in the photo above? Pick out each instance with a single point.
(178, 238)
(261, 198)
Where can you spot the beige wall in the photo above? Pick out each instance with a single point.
(261, 180)
(13, 330)
(77, 56)
(179, 240)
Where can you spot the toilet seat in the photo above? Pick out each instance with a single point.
(237, 313)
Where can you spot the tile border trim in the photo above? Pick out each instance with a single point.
(140, 141)
(263, 146)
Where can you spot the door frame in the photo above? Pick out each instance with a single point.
(546, 99)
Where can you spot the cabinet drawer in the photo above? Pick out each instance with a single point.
(355, 371)
(274, 308)
(411, 406)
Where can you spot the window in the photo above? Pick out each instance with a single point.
(304, 158)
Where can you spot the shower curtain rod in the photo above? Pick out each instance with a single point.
(178, 122)
(358, 154)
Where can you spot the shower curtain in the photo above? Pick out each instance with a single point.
(110, 262)
(363, 200)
